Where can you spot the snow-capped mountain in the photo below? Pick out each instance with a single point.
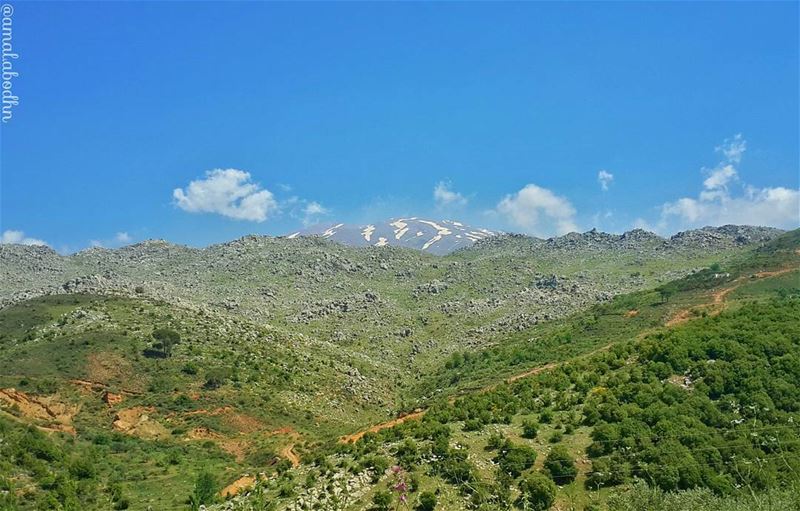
(437, 237)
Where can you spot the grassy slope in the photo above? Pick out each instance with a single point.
(277, 380)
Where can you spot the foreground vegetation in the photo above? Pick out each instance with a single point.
(713, 404)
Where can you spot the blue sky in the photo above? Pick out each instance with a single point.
(285, 113)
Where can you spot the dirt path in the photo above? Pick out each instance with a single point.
(288, 453)
(355, 437)
(552, 365)
(532, 372)
(717, 303)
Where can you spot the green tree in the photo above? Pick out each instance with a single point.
(515, 459)
(167, 338)
(560, 465)
(537, 492)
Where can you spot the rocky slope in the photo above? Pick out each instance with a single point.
(404, 306)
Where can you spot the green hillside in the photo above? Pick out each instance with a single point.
(142, 400)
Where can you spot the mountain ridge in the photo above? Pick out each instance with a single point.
(727, 235)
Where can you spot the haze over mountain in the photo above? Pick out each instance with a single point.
(434, 236)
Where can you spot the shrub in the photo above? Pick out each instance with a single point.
(537, 492)
(515, 459)
(205, 488)
(217, 377)
(530, 429)
(427, 501)
(560, 465)
(407, 453)
(382, 500)
(496, 441)
(473, 425)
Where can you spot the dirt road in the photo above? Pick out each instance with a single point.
(717, 302)
(355, 437)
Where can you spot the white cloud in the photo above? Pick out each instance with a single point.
(641, 223)
(720, 177)
(311, 211)
(445, 196)
(605, 178)
(733, 148)
(96, 244)
(19, 238)
(123, 237)
(777, 207)
(228, 192)
(717, 204)
(538, 211)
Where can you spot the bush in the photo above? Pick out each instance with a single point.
(82, 468)
(382, 500)
(515, 459)
(473, 425)
(205, 489)
(407, 453)
(560, 465)
(216, 377)
(496, 441)
(530, 429)
(427, 501)
(537, 492)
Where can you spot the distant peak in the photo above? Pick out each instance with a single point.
(435, 236)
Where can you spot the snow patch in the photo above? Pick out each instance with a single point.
(330, 232)
(401, 228)
(441, 231)
(431, 241)
(367, 232)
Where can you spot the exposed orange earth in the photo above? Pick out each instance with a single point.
(355, 437)
(243, 483)
(56, 415)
